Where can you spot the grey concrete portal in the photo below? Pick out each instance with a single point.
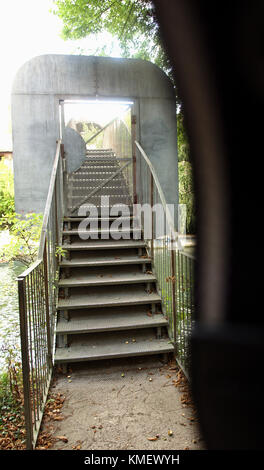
(45, 80)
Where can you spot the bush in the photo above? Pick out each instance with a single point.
(24, 243)
(7, 203)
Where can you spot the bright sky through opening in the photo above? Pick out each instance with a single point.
(28, 29)
(100, 112)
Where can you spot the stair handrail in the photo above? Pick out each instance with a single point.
(105, 127)
(173, 266)
(169, 218)
(49, 200)
(37, 295)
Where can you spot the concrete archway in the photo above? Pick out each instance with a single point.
(45, 80)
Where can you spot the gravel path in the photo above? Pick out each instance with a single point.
(120, 404)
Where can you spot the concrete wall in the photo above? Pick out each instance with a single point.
(44, 80)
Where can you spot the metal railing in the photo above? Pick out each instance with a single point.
(117, 136)
(110, 163)
(174, 268)
(37, 304)
(37, 285)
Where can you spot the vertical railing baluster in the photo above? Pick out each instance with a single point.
(134, 156)
(46, 289)
(151, 190)
(25, 362)
(174, 302)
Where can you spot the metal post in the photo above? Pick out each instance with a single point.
(64, 179)
(56, 213)
(46, 287)
(134, 156)
(25, 362)
(152, 215)
(174, 300)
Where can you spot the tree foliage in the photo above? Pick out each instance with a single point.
(183, 143)
(132, 22)
(24, 241)
(186, 194)
(7, 203)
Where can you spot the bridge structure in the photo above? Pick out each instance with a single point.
(107, 283)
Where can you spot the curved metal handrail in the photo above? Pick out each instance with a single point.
(48, 201)
(105, 127)
(161, 194)
(174, 233)
(45, 216)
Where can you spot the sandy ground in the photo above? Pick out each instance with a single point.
(120, 404)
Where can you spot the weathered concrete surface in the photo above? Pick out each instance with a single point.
(104, 410)
(45, 80)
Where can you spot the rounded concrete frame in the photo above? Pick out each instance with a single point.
(46, 80)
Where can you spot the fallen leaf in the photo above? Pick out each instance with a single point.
(170, 432)
(152, 438)
(78, 447)
(62, 438)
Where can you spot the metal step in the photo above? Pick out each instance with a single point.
(104, 260)
(109, 288)
(112, 320)
(104, 244)
(100, 219)
(135, 231)
(108, 297)
(85, 278)
(113, 345)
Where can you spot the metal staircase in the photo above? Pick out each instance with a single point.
(108, 303)
(109, 296)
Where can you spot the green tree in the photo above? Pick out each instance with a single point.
(183, 143)
(132, 22)
(186, 194)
